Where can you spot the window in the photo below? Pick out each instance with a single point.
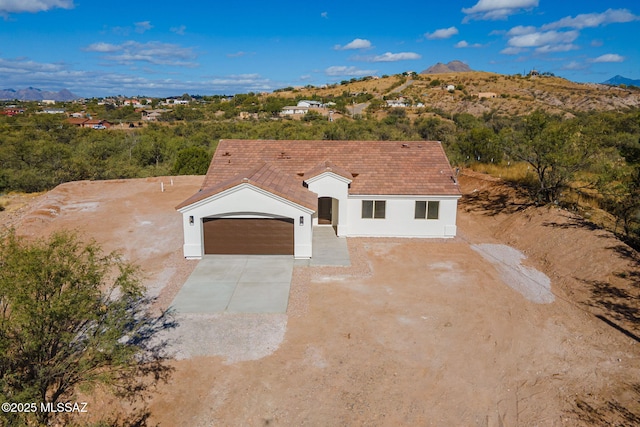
(374, 209)
(421, 210)
(427, 210)
(433, 210)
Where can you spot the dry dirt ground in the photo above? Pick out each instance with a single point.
(459, 332)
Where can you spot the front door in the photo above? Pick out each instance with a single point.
(324, 210)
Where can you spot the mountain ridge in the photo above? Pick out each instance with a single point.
(454, 66)
(621, 80)
(35, 94)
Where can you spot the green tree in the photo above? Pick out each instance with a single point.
(480, 144)
(192, 161)
(555, 150)
(73, 317)
(313, 116)
(619, 187)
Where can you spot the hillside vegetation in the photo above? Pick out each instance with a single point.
(568, 142)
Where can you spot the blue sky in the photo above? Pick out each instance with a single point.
(162, 48)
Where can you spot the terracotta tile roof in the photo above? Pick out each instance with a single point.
(378, 167)
(266, 177)
(76, 121)
(418, 168)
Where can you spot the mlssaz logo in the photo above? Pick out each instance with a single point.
(69, 407)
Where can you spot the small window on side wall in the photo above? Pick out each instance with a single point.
(427, 210)
(374, 209)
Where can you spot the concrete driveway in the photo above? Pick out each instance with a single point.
(237, 284)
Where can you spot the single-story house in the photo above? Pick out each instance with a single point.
(396, 103)
(293, 109)
(152, 115)
(89, 123)
(311, 104)
(265, 196)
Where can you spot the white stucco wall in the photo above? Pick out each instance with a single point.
(399, 218)
(329, 184)
(245, 201)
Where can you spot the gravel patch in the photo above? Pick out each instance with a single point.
(235, 337)
(532, 284)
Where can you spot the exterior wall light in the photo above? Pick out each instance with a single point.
(301, 220)
(190, 219)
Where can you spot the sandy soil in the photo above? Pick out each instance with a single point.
(415, 332)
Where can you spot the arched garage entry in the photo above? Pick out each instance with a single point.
(248, 236)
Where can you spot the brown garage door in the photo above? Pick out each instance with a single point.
(250, 236)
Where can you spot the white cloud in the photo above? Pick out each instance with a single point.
(27, 67)
(342, 70)
(143, 26)
(590, 20)
(151, 52)
(392, 57)
(523, 38)
(537, 38)
(324, 15)
(512, 50)
(464, 44)
(574, 65)
(22, 72)
(556, 48)
(443, 33)
(609, 57)
(236, 55)
(497, 9)
(178, 30)
(521, 30)
(102, 47)
(33, 6)
(354, 44)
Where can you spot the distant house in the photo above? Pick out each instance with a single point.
(97, 124)
(76, 121)
(451, 88)
(53, 111)
(171, 101)
(152, 115)
(397, 103)
(484, 95)
(292, 110)
(10, 111)
(311, 104)
(89, 123)
(135, 103)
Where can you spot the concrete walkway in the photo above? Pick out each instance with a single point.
(329, 249)
(237, 284)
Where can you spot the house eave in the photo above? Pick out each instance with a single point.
(239, 187)
(328, 174)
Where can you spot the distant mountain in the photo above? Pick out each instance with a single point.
(619, 80)
(34, 94)
(452, 67)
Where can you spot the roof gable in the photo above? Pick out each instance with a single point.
(265, 177)
(327, 166)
